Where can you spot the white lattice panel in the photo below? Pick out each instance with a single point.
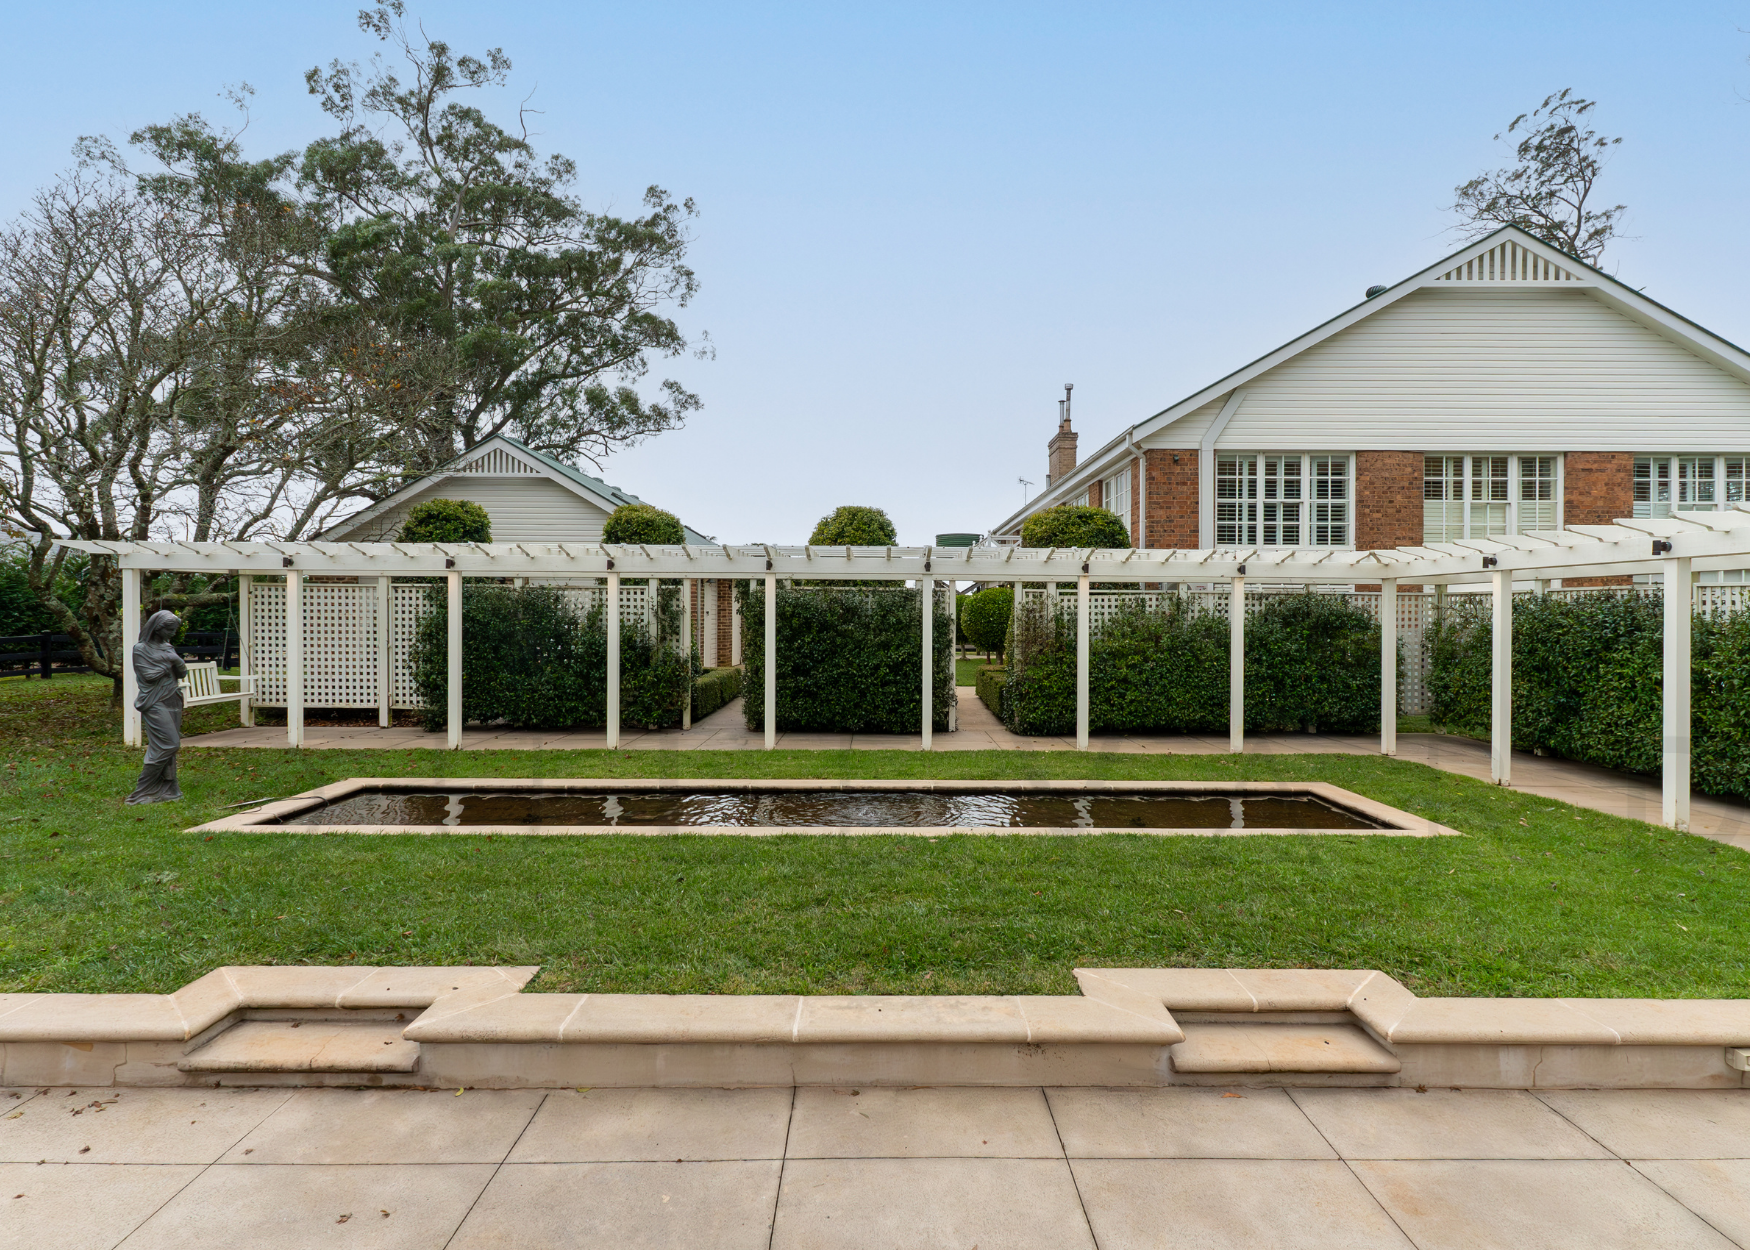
(267, 643)
(407, 604)
(340, 644)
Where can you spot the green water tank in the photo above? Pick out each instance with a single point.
(958, 540)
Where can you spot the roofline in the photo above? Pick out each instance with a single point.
(1367, 307)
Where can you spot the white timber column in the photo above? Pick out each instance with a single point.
(385, 654)
(1501, 682)
(245, 644)
(927, 600)
(771, 661)
(613, 661)
(1082, 662)
(689, 588)
(1388, 666)
(130, 635)
(1679, 594)
(1014, 631)
(954, 656)
(294, 658)
(1236, 664)
(453, 685)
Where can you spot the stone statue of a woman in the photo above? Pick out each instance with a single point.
(158, 668)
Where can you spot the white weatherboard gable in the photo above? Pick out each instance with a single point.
(1505, 345)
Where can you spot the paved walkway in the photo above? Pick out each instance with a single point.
(1002, 1169)
(1584, 785)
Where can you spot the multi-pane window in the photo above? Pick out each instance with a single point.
(1116, 494)
(1667, 484)
(1275, 500)
(1484, 496)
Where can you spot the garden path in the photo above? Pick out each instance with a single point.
(1584, 785)
(187, 1169)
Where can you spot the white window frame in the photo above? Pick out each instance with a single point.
(1279, 502)
(1116, 485)
(1689, 482)
(1476, 497)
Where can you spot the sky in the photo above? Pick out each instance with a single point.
(917, 222)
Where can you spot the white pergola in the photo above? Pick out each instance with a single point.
(1676, 548)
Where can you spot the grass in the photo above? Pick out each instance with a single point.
(966, 670)
(1539, 899)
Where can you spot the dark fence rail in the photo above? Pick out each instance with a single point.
(44, 655)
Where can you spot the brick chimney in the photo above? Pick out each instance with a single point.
(1061, 450)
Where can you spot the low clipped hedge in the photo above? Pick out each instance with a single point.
(989, 683)
(1312, 662)
(531, 659)
(714, 688)
(849, 659)
(1588, 682)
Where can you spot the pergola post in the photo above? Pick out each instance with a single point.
(1082, 649)
(954, 655)
(385, 652)
(688, 587)
(245, 645)
(1501, 681)
(131, 733)
(1014, 631)
(1236, 665)
(1679, 609)
(927, 600)
(613, 661)
(294, 658)
(771, 661)
(1388, 666)
(453, 682)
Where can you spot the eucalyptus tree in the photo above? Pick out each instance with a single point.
(1548, 190)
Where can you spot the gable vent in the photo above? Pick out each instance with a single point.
(498, 460)
(1508, 262)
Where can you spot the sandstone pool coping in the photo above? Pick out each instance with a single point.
(1395, 821)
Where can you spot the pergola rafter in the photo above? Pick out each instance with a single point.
(1674, 547)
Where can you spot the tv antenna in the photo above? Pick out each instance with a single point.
(1024, 485)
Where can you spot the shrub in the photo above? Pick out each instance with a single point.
(989, 683)
(446, 521)
(530, 659)
(1588, 682)
(985, 618)
(854, 526)
(642, 523)
(1069, 525)
(1311, 661)
(713, 689)
(849, 659)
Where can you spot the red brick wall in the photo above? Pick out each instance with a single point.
(1171, 498)
(725, 621)
(1388, 499)
(1136, 493)
(1096, 494)
(1597, 487)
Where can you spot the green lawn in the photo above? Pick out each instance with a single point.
(1540, 899)
(966, 671)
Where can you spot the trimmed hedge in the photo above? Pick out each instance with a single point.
(1074, 525)
(530, 659)
(634, 523)
(989, 683)
(849, 659)
(714, 688)
(1588, 682)
(1312, 662)
(446, 521)
(854, 525)
(984, 618)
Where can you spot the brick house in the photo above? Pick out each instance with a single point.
(1505, 389)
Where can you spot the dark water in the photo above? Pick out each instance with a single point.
(892, 809)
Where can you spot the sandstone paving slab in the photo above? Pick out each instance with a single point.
(1552, 1204)
(1718, 1190)
(632, 1125)
(306, 1046)
(857, 1123)
(383, 1126)
(1661, 1123)
(1443, 1124)
(1184, 1124)
(302, 1208)
(81, 1208)
(1177, 1204)
(163, 1126)
(927, 1204)
(624, 1206)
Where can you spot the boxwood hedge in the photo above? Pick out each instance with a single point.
(714, 688)
(850, 659)
(1588, 682)
(531, 659)
(1312, 662)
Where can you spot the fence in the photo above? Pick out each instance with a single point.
(44, 655)
(358, 639)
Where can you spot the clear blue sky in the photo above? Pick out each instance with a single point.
(919, 221)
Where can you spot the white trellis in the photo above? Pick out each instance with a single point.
(1675, 548)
